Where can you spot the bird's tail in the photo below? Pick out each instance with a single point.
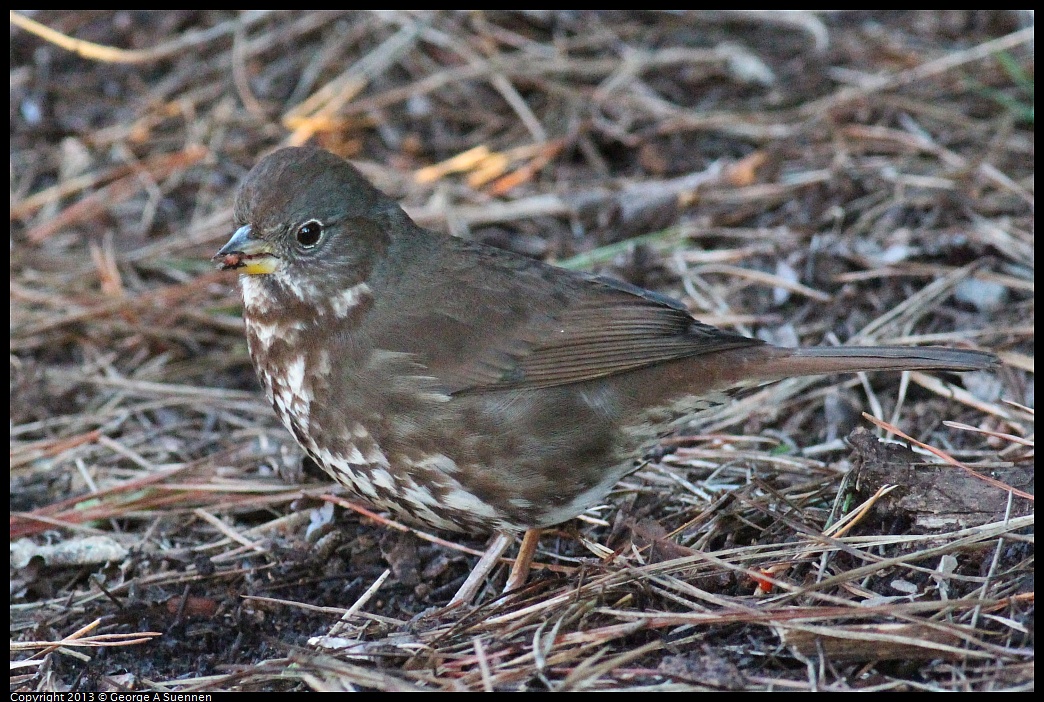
(779, 362)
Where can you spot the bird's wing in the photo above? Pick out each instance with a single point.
(489, 320)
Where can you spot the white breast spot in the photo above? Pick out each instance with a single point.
(383, 479)
(346, 300)
(295, 375)
(265, 334)
(464, 501)
(255, 297)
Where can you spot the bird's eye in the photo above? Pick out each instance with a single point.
(309, 233)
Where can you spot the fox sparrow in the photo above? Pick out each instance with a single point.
(463, 386)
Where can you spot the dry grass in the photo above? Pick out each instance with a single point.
(805, 177)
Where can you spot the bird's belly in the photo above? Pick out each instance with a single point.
(503, 460)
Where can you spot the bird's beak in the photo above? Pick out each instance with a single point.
(247, 254)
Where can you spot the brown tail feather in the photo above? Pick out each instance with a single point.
(823, 360)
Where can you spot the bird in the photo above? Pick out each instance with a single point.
(468, 388)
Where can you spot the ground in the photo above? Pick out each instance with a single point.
(809, 178)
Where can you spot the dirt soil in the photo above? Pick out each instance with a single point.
(812, 178)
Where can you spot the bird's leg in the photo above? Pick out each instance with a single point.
(494, 551)
(520, 568)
